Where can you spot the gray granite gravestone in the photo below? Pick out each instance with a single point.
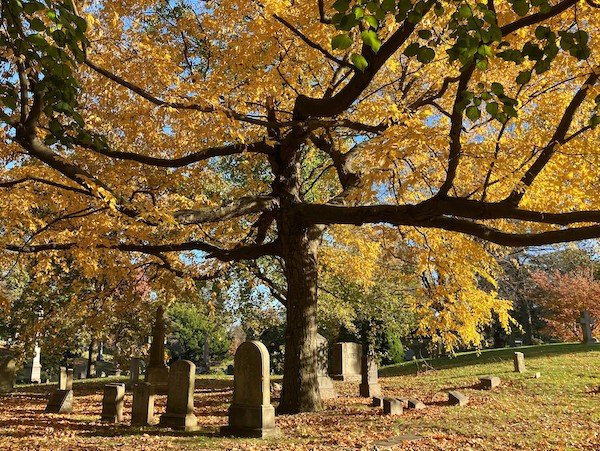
(180, 398)
(142, 412)
(325, 382)
(456, 398)
(519, 362)
(36, 367)
(392, 406)
(157, 372)
(369, 385)
(489, 382)
(346, 362)
(251, 413)
(8, 371)
(112, 403)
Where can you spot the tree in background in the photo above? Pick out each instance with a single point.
(564, 295)
(445, 123)
(198, 333)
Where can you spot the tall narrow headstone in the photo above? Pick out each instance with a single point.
(251, 413)
(142, 412)
(134, 370)
(325, 382)
(100, 356)
(587, 322)
(369, 386)
(112, 403)
(180, 399)
(36, 366)
(346, 365)
(8, 371)
(157, 372)
(519, 361)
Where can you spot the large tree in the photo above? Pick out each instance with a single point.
(181, 134)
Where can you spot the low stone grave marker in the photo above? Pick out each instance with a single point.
(519, 362)
(61, 400)
(369, 386)
(377, 401)
(347, 362)
(489, 382)
(8, 371)
(326, 388)
(392, 406)
(142, 411)
(456, 398)
(180, 397)
(251, 413)
(537, 375)
(415, 404)
(112, 403)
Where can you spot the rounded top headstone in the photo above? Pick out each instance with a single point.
(251, 374)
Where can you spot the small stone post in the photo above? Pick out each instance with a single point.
(519, 361)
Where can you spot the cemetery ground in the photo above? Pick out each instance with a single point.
(559, 410)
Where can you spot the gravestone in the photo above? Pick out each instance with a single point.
(369, 386)
(180, 398)
(415, 404)
(157, 372)
(456, 398)
(587, 322)
(519, 362)
(346, 364)
(489, 382)
(134, 370)
(36, 367)
(112, 403)
(251, 413)
(82, 374)
(100, 356)
(142, 412)
(377, 401)
(392, 406)
(60, 401)
(8, 371)
(325, 382)
(65, 378)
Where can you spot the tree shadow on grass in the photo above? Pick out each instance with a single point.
(488, 356)
(128, 431)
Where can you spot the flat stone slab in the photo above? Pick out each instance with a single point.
(456, 398)
(391, 442)
(489, 382)
(415, 404)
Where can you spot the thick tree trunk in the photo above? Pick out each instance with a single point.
(300, 383)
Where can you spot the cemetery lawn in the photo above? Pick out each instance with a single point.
(560, 410)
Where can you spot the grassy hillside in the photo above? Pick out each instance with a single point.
(559, 411)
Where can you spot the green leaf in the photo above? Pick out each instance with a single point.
(492, 108)
(341, 5)
(341, 42)
(465, 11)
(482, 64)
(524, 77)
(388, 5)
(372, 21)
(370, 38)
(359, 61)
(473, 113)
(497, 89)
(425, 55)
(521, 7)
(412, 50)
(424, 34)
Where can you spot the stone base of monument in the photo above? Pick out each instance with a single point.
(61, 401)
(348, 377)
(184, 422)
(326, 387)
(369, 390)
(251, 421)
(159, 378)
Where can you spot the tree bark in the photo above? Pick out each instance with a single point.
(300, 384)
